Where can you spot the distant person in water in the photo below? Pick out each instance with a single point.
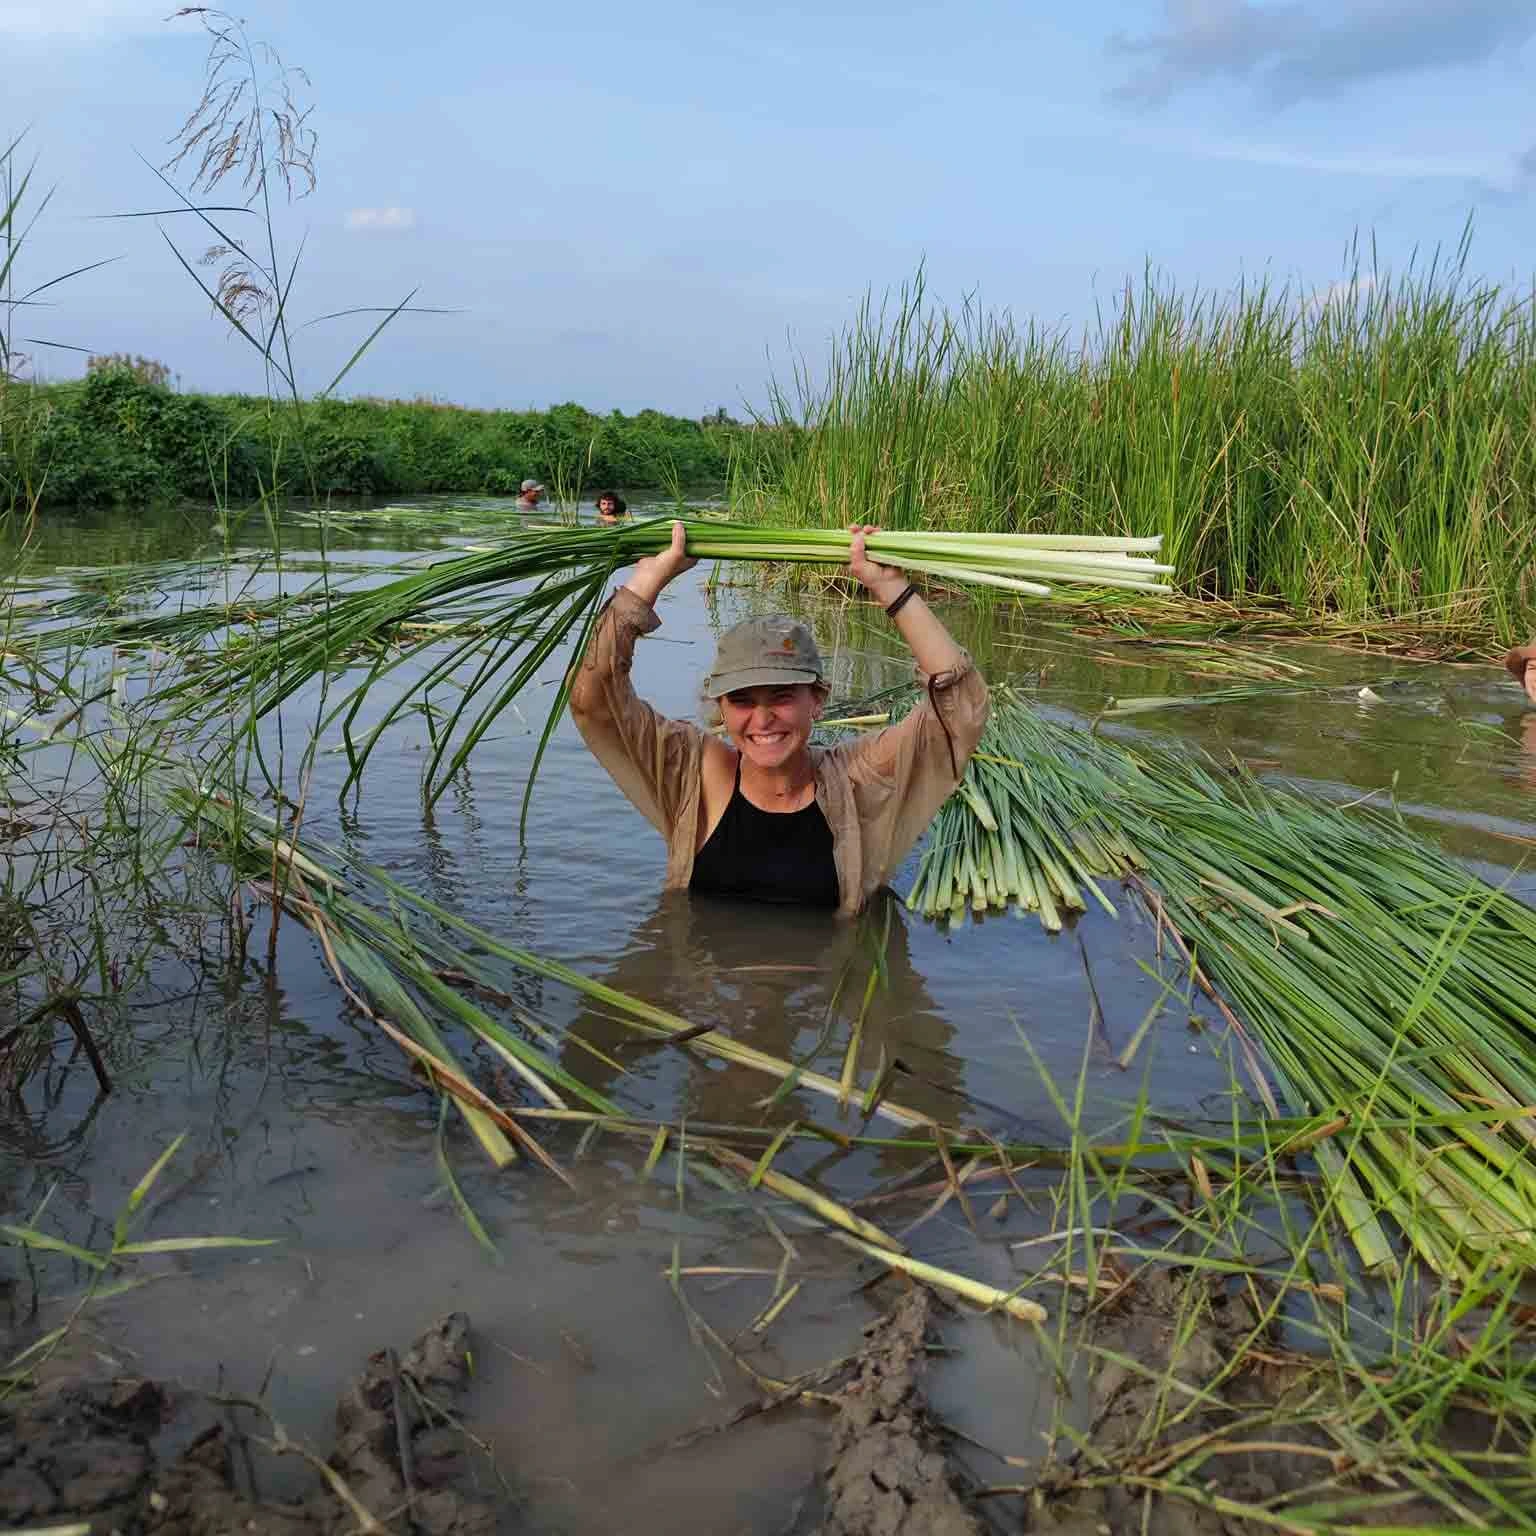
(1521, 664)
(611, 507)
(762, 815)
(530, 494)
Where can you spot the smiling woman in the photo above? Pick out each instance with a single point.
(765, 816)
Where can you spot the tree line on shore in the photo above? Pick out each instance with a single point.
(119, 437)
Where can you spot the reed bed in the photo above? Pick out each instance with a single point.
(1362, 458)
(1379, 976)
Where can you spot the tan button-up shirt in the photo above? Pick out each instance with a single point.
(878, 791)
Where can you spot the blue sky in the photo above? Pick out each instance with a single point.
(654, 205)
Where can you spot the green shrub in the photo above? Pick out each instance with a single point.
(120, 437)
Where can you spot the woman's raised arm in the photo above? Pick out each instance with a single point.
(932, 646)
(903, 774)
(645, 753)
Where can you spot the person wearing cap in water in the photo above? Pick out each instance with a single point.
(762, 814)
(528, 496)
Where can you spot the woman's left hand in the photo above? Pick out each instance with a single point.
(885, 583)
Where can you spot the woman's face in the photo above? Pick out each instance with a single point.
(771, 725)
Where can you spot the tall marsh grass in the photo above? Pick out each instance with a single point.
(1367, 453)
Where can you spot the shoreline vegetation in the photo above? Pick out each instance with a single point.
(116, 438)
(1359, 457)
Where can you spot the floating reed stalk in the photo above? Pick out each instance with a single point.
(400, 961)
(976, 1291)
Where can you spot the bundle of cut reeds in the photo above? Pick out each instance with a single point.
(493, 618)
(1030, 826)
(1384, 980)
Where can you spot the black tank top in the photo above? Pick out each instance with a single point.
(757, 855)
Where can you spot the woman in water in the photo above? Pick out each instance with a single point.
(763, 815)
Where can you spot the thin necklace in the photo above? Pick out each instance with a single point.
(797, 790)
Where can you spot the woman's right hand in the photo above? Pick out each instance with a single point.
(653, 572)
(1521, 665)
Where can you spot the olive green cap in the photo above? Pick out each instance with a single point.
(761, 653)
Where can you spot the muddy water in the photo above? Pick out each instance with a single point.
(304, 1125)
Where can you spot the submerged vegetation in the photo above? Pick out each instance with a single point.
(1361, 455)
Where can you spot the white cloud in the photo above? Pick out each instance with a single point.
(82, 20)
(381, 218)
(1346, 293)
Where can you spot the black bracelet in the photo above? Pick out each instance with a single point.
(895, 606)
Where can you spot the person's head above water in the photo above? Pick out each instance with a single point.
(610, 505)
(768, 687)
(530, 492)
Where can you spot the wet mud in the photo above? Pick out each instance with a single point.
(887, 1474)
(84, 1452)
(1197, 1411)
(1181, 1442)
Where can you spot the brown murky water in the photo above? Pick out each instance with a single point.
(304, 1125)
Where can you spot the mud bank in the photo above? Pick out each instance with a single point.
(1200, 1425)
(82, 1454)
(886, 1471)
(1203, 1424)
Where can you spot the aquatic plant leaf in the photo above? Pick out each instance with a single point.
(192, 1244)
(137, 1194)
(29, 1237)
